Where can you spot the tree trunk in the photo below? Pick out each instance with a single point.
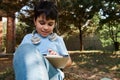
(10, 44)
(80, 37)
(116, 46)
(0, 34)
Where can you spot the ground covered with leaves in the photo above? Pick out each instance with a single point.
(87, 65)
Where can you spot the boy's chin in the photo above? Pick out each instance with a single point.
(44, 35)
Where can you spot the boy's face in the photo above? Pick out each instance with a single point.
(44, 27)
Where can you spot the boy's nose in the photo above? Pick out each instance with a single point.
(45, 27)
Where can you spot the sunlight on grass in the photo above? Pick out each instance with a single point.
(81, 63)
(115, 67)
(88, 51)
(92, 77)
(73, 63)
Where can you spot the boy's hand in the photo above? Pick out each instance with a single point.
(51, 52)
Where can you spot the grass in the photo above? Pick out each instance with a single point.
(95, 65)
(87, 65)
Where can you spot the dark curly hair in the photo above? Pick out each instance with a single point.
(48, 8)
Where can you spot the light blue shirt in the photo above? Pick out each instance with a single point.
(27, 63)
(57, 45)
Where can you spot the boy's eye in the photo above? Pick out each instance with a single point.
(42, 22)
(50, 24)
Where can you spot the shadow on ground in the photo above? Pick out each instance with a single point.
(94, 66)
(86, 66)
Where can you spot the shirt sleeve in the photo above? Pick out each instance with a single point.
(26, 39)
(62, 47)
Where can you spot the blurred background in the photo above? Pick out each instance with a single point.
(87, 26)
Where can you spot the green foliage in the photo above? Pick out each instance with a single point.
(76, 12)
(6, 73)
(105, 37)
(21, 30)
(26, 14)
(110, 33)
(109, 27)
(91, 28)
(11, 6)
(110, 11)
(82, 14)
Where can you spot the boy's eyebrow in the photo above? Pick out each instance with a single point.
(42, 20)
(51, 22)
(45, 21)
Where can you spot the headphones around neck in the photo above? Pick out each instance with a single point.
(37, 40)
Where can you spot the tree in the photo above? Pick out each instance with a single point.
(109, 23)
(79, 13)
(8, 9)
(75, 12)
(110, 34)
(0, 34)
